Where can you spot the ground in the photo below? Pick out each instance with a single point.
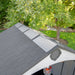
(1, 30)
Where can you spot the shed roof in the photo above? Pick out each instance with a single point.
(21, 48)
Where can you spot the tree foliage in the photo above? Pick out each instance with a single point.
(41, 13)
(3, 8)
(70, 5)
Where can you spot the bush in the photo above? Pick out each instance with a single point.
(37, 13)
(3, 7)
(16, 13)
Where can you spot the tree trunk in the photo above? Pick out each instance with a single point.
(22, 22)
(58, 34)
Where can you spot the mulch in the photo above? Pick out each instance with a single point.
(2, 28)
(62, 41)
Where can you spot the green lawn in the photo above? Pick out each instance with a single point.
(70, 37)
(1, 30)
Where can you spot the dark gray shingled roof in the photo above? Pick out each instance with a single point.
(18, 53)
(21, 48)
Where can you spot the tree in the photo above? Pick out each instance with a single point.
(54, 14)
(70, 5)
(72, 12)
(3, 8)
(18, 11)
(40, 13)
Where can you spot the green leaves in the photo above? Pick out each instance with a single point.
(3, 8)
(39, 13)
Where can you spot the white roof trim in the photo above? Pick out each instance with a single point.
(65, 56)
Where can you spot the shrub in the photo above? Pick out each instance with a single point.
(3, 7)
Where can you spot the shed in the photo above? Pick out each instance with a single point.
(24, 51)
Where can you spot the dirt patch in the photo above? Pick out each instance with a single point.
(62, 41)
(2, 28)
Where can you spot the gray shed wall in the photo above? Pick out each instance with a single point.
(64, 68)
(57, 69)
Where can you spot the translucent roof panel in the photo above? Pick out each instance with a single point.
(23, 28)
(31, 34)
(45, 44)
(55, 54)
(18, 25)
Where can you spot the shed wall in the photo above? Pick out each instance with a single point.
(64, 68)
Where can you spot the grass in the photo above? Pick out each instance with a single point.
(70, 37)
(1, 30)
